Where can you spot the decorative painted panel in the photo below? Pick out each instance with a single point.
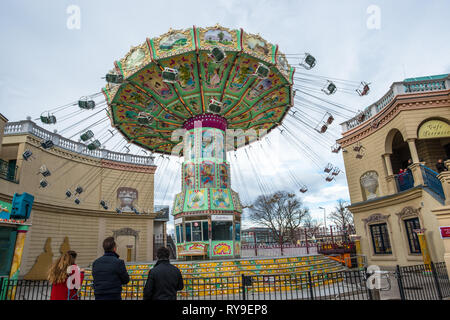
(178, 203)
(189, 175)
(221, 199)
(224, 178)
(222, 248)
(196, 200)
(207, 174)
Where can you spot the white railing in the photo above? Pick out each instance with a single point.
(29, 127)
(405, 87)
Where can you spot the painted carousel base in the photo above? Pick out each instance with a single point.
(223, 277)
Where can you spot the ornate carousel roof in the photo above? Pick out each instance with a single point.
(212, 64)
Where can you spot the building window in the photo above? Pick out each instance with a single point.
(188, 231)
(197, 231)
(222, 230)
(410, 225)
(205, 230)
(380, 239)
(237, 235)
(178, 234)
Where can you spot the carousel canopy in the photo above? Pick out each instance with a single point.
(161, 84)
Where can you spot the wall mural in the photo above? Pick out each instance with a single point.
(185, 66)
(208, 144)
(189, 147)
(178, 203)
(223, 249)
(189, 175)
(221, 199)
(224, 179)
(207, 174)
(172, 42)
(196, 200)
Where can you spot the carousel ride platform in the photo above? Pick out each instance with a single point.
(223, 277)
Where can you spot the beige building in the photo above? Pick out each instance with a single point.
(115, 199)
(411, 121)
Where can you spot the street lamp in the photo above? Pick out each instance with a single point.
(324, 217)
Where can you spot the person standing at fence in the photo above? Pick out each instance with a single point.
(58, 275)
(164, 279)
(109, 273)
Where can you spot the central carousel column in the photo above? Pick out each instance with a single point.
(210, 209)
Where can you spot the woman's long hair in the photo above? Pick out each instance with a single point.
(58, 271)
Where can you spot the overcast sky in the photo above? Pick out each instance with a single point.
(45, 64)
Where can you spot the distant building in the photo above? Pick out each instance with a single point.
(262, 235)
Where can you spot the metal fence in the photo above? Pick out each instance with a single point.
(431, 180)
(274, 250)
(404, 181)
(423, 282)
(420, 282)
(345, 285)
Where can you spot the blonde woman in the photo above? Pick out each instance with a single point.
(58, 274)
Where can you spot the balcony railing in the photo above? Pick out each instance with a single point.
(404, 181)
(408, 86)
(29, 127)
(430, 180)
(7, 171)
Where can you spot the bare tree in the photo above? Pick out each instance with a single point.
(342, 217)
(311, 226)
(281, 212)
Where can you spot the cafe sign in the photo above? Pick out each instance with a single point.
(219, 217)
(434, 129)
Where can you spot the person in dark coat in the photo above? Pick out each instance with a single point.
(440, 166)
(164, 279)
(109, 273)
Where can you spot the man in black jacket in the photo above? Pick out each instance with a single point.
(164, 279)
(440, 166)
(109, 273)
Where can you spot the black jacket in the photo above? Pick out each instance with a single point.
(163, 282)
(440, 166)
(109, 274)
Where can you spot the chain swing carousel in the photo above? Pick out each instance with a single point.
(206, 82)
(203, 93)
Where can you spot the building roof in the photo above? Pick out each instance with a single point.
(439, 76)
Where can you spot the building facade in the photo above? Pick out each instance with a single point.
(81, 197)
(390, 152)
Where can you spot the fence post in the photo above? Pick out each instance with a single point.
(311, 292)
(254, 241)
(436, 280)
(331, 233)
(306, 240)
(400, 283)
(243, 287)
(246, 281)
(2, 281)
